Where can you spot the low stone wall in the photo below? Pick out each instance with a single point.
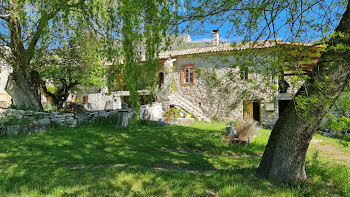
(152, 112)
(31, 122)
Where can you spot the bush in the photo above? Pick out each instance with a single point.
(246, 130)
(172, 113)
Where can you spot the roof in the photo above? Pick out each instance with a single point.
(222, 48)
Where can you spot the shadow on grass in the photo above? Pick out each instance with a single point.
(99, 160)
(141, 145)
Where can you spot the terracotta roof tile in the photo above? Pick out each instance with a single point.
(221, 48)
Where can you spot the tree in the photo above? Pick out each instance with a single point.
(125, 27)
(28, 26)
(69, 67)
(284, 157)
(142, 27)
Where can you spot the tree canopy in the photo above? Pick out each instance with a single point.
(123, 27)
(295, 21)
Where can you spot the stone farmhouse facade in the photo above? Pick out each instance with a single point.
(201, 79)
(207, 82)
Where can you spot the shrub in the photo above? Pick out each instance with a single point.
(172, 113)
(246, 130)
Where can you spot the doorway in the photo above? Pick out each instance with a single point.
(161, 80)
(256, 111)
(252, 110)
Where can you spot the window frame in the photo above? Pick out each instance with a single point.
(183, 81)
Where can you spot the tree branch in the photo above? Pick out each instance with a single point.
(46, 91)
(5, 17)
(44, 20)
(2, 38)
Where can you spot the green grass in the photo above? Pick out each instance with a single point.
(99, 160)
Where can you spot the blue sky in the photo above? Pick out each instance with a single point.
(311, 33)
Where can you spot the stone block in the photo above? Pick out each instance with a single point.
(103, 114)
(73, 123)
(185, 121)
(21, 112)
(270, 107)
(29, 113)
(9, 112)
(13, 130)
(81, 117)
(123, 119)
(19, 116)
(69, 120)
(44, 121)
(68, 115)
(81, 121)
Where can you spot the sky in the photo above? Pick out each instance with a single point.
(320, 17)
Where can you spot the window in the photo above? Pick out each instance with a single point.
(187, 74)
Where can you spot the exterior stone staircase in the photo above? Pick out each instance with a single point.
(188, 107)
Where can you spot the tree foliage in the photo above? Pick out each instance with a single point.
(31, 27)
(141, 29)
(297, 21)
(130, 34)
(72, 67)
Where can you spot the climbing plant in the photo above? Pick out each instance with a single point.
(299, 21)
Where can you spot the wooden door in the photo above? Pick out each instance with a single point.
(247, 110)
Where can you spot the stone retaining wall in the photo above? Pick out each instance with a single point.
(31, 122)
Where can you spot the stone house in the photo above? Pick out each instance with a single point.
(209, 81)
(205, 79)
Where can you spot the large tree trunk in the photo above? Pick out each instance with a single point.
(284, 157)
(23, 91)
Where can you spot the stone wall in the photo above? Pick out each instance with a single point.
(269, 117)
(102, 100)
(31, 122)
(152, 112)
(5, 70)
(13, 122)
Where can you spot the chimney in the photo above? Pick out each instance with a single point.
(215, 37)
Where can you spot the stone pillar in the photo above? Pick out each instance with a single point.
(166, 91)
(123, 118)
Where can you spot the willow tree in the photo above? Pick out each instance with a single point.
(284, 157)
(141, 30)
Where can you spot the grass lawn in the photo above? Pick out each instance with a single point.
(98, 160)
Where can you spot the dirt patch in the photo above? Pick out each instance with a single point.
(197, 152)
(314, 141)
(332, 152)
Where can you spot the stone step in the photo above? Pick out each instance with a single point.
(189, 107)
